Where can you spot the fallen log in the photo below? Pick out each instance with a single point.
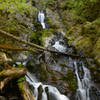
(10, 74)
(40, 48)
(18, 48)
(20, 40)
(26, 93)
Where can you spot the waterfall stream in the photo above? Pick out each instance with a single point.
(53, 92)
(41, 18)
(49, 92)
(83, 84)
(43, 91)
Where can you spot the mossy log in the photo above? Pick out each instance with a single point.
(10, 74)
(17, 48)
(37, 47)
(26, 93)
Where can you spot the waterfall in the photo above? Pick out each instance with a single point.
(83, 84)
(51, 94)
(48, 92)
(41, 18)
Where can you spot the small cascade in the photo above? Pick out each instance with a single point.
(59, 47)
(48, 92)
(41, 18)
(83, 84)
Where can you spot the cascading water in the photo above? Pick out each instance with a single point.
(52, 94)
(49, 92)
(59, 47)
(83, 84)
(84, 81)
(41, 18)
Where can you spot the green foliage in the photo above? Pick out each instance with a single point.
(46, 3)
(98, 20)
(14, 6)
(21, 79)
(45, 33)
(84, 8)
(20, 85)
(16, 17)
(20, 65)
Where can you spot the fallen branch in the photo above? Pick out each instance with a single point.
(10, 74)
(17, 48)
(40, 48)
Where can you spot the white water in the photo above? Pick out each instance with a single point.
(83, 84)
(53, 91)
(59, 47)
(41, 18)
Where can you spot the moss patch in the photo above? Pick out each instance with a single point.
(70, 79)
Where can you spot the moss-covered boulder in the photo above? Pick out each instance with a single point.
(96, 51)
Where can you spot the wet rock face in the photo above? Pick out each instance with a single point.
(58, 75)
(85, 38)
(95, 94)
(54, 69)
(82, 34)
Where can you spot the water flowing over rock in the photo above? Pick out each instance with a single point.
(41, 19)
(83, 84)
(53, 92)
(57, 70)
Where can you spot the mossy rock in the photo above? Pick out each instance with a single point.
(53, 19)
(95, 71)
(90, 28)
(96, 51)
(46, 34)
(70, 79)
(83, 44)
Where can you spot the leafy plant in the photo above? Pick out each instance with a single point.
(21, 79)
(12, 6)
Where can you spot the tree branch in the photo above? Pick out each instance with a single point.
(17, 48)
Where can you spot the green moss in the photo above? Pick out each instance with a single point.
(1, 73)
(19, 65)
(45, 33)
(70, 79)
(96, 51)
(20, 85)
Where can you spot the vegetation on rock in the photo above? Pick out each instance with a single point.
(78, 19)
